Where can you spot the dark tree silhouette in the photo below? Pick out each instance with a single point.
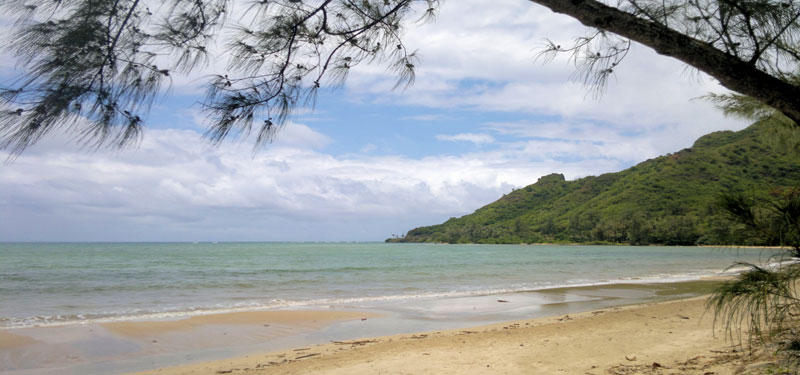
(94, 66)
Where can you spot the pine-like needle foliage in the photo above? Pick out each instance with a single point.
(783, 130)
(92, 65)
(763, 301)
(759, 33)
(289, 49)
(760, 300)
(95, 66)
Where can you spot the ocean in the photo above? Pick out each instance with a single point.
(61, 284)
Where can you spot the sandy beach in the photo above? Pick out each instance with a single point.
(303, 319)
(117, 347)
(673, 337)
(350, 309)
(605, 329)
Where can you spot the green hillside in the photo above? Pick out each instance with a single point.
(668, 200)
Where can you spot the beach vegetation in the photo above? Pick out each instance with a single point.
(93, 67)
(762, 301)
(761, 304)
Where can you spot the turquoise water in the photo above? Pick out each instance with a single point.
(74, 283)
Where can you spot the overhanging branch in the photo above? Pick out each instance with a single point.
(729, 70)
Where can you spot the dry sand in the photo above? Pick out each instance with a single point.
(663, 338)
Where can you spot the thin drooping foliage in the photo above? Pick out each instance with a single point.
(95, 66)
(784, 131)
(754, 38)
(762, 302)
(775, 220)
(290, 47)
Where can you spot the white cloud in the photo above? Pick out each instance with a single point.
(489, 65)
(627, 145)
(176, 187)
(294, 134)
(467, 137)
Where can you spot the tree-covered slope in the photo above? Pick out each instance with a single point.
(669, 200)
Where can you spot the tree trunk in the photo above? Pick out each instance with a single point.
(729, 70)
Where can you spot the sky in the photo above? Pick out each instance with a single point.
(368, 162)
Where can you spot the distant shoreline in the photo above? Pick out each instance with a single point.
(592, 244)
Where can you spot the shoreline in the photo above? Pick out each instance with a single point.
(362, 303)
(569, 244)
(268, 277)
(670, 336)
(121, 347)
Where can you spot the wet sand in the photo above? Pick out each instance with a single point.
(671, 337)
(120, 347)
(305, 319)
(9, 340)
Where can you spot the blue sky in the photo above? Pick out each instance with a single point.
(484, 117)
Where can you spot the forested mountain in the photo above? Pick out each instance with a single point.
(670, 200)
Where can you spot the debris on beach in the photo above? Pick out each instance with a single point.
(355, 343)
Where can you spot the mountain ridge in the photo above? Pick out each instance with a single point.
(669, 200)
